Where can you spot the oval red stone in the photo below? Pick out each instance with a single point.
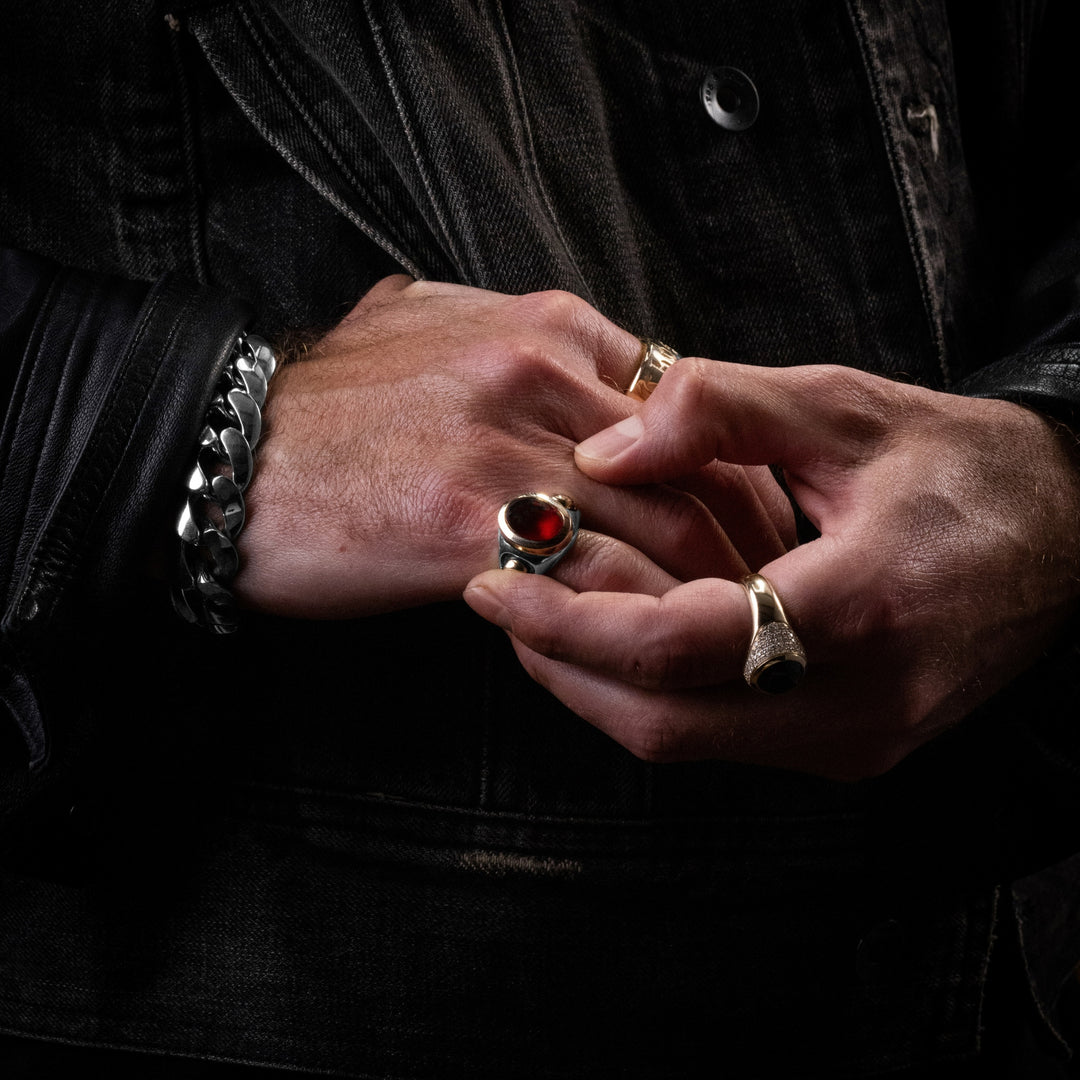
(535, 520)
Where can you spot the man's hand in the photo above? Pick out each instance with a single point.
(948, 561)
(389, 451)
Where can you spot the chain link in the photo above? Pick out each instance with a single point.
(213, 512)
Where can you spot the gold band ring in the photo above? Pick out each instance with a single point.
(656, 358)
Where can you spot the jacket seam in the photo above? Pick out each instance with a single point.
(18, 396)
(84, 490)
(189, 158)
(902, 183)
(527, 138)
(410, 136)
(318, 131)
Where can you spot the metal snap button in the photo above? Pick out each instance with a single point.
(730, 98)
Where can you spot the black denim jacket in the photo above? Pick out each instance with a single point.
(312, 893)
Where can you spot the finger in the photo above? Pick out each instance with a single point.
(675, 529)
(618, 356)
(728, 723)
(693, 635)
(705, 409)
(746, 502)
(776, 503)
(600, 563)
(580, 337)
(671, 527)
(758, 521)
(740, 511)
(657, 726)
(612, 352)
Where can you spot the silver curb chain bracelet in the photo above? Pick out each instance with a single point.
(213, 513)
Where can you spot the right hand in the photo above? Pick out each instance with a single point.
(389, 451)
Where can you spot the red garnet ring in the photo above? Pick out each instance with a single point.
(536, 531)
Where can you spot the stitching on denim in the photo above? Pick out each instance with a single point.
(984, 967)
(410, 137)
(394, 802)
(1035, 997)
(139, 1047)
(319, 132)
(189, 156)
(902, 182)
(325, 140)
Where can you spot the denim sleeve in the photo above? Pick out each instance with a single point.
(106, 383)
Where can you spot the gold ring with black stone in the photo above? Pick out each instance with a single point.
(776, 660)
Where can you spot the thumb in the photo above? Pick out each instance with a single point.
(746, 415)
(676, 431)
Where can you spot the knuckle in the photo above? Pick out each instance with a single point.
(659, 658)
(521, 358)
(869, 618)
(686, 403)
(685, 383)
(665, 661)
(552, 307)
(599, 564)
(832, 379)
(861, 404)
(513, 368)
(416, 287)
(652, 668)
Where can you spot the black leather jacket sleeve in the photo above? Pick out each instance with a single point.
(106, 382)
(1042, 368)
(1039, 362)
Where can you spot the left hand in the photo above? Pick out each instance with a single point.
(947, 562)
(390, 448)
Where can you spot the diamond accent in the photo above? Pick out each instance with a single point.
(773, 641)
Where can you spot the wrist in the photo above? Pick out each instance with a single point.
(213, 512)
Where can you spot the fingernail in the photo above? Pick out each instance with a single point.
(485, 603)
(611, 442)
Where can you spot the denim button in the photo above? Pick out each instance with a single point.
(730, 98)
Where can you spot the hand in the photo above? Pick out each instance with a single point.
(388, 453)
(947, 562)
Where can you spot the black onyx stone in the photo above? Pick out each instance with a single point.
(781, 677)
